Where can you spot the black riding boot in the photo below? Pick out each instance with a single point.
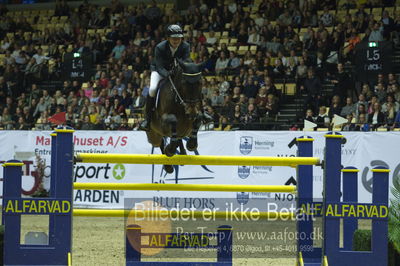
(150, 102)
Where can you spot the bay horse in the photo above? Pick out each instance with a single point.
(178, 111)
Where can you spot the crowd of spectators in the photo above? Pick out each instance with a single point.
(376, 106)
(306, 42)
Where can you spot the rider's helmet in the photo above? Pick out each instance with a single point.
(174, 30)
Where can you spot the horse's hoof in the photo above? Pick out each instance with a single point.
(170, 150)
(191, 145)
(169, 169)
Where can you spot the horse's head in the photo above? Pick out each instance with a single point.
(190, 86)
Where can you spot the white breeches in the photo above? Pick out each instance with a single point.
(154, 80)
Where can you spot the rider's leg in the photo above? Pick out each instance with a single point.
(150, 101)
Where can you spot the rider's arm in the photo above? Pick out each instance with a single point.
(159, 63)
(186, 52)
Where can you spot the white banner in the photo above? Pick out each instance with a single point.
(362, 150)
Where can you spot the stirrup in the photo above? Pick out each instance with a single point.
(145, 125)
(206, 118)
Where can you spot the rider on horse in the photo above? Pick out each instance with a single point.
(165, 53)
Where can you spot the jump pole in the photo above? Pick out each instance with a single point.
(169, 213)
(194, 159)
(186, 187)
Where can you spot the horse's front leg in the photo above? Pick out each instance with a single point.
(182, 150)
(192, 144)
(170, 149)
(168, 168)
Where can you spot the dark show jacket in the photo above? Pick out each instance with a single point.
(163, 58)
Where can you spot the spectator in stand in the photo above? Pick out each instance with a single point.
(216, 99)
(290, 71)
(243, 102)
(376, 34)
(21, 124)
(301, 73)
(312, 86)
(248, 59)
(270, 87)
(336, 107)
(349, 126)
(361, 100)
(153, 13)
(274, 46)
(201, 38)
(46, 96)
(223, 86)
(343, 84)
(242, 37)
(261, 99)
(390, 113)
(391, 79)
(278, 69)
(126, 99)
(349, 108)
(250, 88)
(381, 92)
(371, 103)
(396, 29)
(10, 105)
(396, 122)
(138, 100)
(233, 63)
(224, 124)
(380, 79)
(86, 124)
(251, 116)
(212, 115)
(376, 118)
(326, 18)
(40, 107)
(366, 91)
(254, 37)
(396, 92)
(28, 116)
(271, 108)
(211, 40)
(387, 23)
(62, 8)
(322, 120)
(227, 106)
(236, 94)
(39, 57)
(119, 86)
(285, 19)
(42, 123)
(221, 64)
(6, 119)
(362, 124)
(310, 116)
(118, 50)
(349, 51)
(390, 101)
(237, 114)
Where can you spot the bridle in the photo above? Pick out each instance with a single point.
(179, 98)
